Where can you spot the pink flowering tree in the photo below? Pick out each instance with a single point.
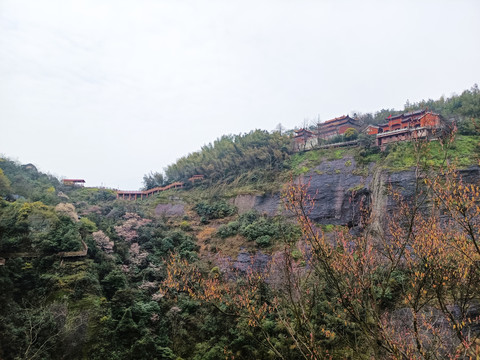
(103, 242)
(128, 230)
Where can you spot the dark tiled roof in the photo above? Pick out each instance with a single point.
(303, 132)
(343, 117)
(336, 119)
(331, 125)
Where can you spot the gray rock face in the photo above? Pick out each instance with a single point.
(336, 187)
(246, 261)
(170, 210)
(405, 182)
(270, 205)
(340, 189)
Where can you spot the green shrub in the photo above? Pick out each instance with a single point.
(257, 228)
(228, 230)
(263, 241)
(214, 210)
(185, 225)
(296, 254)
(328, 228)
(351, 134)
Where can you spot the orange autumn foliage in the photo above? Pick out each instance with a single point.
(407, 292)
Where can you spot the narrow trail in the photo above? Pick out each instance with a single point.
(62, 254)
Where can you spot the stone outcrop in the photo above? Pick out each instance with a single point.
(170, 209)
(269, 204)
(336, 187)
(338, 190)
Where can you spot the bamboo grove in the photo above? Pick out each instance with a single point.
(230, 157)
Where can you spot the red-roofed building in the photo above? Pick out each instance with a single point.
(304, 139)
(371, 130)
(73, 182)
(337, 126)
(418, 124)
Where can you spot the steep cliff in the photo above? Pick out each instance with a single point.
(340, 188)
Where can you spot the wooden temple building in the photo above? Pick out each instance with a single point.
(371, 130)
(337, 126)
(304, 139)
(420, 124)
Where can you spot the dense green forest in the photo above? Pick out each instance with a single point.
(215, 282)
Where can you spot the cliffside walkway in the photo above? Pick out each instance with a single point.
(141, 194)
(126, 194)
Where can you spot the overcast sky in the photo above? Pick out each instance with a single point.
(109, 90)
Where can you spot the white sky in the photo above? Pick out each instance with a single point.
(108, 90)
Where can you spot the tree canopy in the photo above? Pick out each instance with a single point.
(232, 155)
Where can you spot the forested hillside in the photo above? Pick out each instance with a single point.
(236, 156)
(460, 107)
(341, 253)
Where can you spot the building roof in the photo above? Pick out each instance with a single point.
(333, 123)
(409, 115)
(74, 180)
(370, 126)
(405, 117)
(303, 132)
(343, 117)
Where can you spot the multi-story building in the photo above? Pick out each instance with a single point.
(304, 139)
(418, 124)
(337, 126)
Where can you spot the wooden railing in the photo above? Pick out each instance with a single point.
(340, 144)
(127, 194)
(80, 253)
(63, 254)
(146, 193)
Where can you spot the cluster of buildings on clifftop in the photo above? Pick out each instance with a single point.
(421, 124)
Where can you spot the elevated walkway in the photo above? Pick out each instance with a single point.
(129, 195)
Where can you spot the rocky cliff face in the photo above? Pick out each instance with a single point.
(337, 186)
(270, 204)
(340, 188)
